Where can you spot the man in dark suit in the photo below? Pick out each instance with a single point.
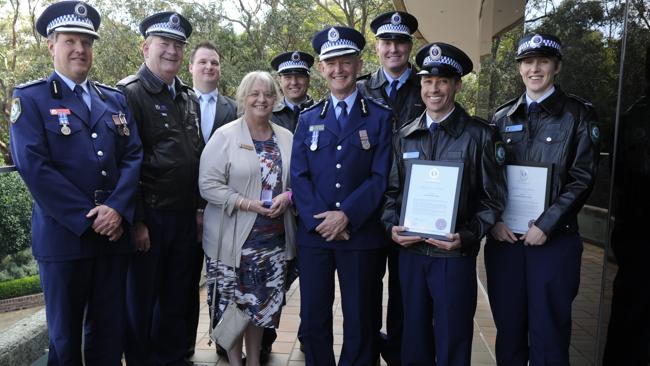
(76, 146)
(216, 110)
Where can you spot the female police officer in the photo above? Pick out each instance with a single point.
(533, 279)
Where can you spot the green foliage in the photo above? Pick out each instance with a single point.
(15, 206)
(20, 287)
(18, 265)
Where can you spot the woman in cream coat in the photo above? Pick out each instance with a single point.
(249, 227)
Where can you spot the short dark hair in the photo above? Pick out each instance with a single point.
(205, 44)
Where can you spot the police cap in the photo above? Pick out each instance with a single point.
(294, 62)
(442, 59)
(394, 25)
(337, 41)
(69, 17)
(539, 44)
(167, 24)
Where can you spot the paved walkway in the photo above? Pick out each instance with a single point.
(286, 351)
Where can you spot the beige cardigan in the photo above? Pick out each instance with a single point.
(230, 170)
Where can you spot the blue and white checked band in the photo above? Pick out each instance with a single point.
(70, 20)
(292, 65)
(337, 45)
(529, 45)
(167, 27)
(444, 60)
(394, 28)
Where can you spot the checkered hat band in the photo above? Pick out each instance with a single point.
(167, 28)
(528, 45)
(337, 45)
(293, 65)
(70, 20)
(444, 60)
(392, 28)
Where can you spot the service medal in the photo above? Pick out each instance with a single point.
(126, 131)
(65, 129)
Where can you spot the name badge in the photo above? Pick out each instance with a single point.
(247, 147)
(316, 128)
(411, 155)
(514, 128)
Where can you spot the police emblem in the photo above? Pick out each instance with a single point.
(435, 52)
(595, 133)
(81, 10)
(174, 19)
(537, 41)
(16, 110)
(396, 19)
(499, 153)
(333, 35)
(295, 56)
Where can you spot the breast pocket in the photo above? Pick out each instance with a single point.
(551, 136)
(65, 141)
(319, 142)
(363, 140)
(513, 138)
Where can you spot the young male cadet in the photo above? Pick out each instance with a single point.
(160, 275)
(76, 146)
(339, 169)
(293, 69)
(533, 279)
(396, 84)
(438, 277)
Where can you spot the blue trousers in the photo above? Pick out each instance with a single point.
(160, 288)
(392, 344)
(531, 289)
(439, 297)
(94, 287)
(358, 272)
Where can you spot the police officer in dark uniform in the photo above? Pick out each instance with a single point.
(533, 278)
(438, 277)
(293, 69)
(395, 83)
(339, 169)
(76, 146)
(160, 275)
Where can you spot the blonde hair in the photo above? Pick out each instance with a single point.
(247, 83)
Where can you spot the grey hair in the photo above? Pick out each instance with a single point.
(247, 83)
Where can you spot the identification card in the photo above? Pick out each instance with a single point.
(514, 128)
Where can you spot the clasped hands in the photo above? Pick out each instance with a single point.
(333, 226)
(107, 222)
(534, 236)
(279, 204)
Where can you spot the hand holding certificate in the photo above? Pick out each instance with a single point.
(528, 191)
(430, 200)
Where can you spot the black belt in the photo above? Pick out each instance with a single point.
(101, 196)
(432, 251)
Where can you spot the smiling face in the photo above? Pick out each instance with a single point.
(393, 55)
(205, 69)
(294, 87)
(259, 102)
(438, 94)
(538, 74)
(163, 56)
(72, 54)
(341, 74)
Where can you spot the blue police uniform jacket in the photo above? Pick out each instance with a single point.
(347, 170)
(67, 172)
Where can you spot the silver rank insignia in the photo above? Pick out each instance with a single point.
(363, 136)
(16, 110)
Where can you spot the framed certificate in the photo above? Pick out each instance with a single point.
(529, 186)
(430, 200)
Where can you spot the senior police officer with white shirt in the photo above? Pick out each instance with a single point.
(76, 145)
(339, 169)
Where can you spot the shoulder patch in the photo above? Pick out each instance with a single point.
(128, 80)
(499, 153)
(380, 103)
(16, 110)
(104, 86)
(594, 132)
(30, 83)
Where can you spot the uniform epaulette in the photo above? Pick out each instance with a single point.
(104, 86)
(313, 105)
(483, 121)
(128, 80)
(581, 100)
(364, 77)
(379, 103)
(510, 102)
(30, 83)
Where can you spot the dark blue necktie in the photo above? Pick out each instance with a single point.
(393, 91)
(296, 110)
(78, 91)
(533, 108)
(433, 127)
(344, 113)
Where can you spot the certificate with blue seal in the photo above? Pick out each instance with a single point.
(430, 200)
(529, 187)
